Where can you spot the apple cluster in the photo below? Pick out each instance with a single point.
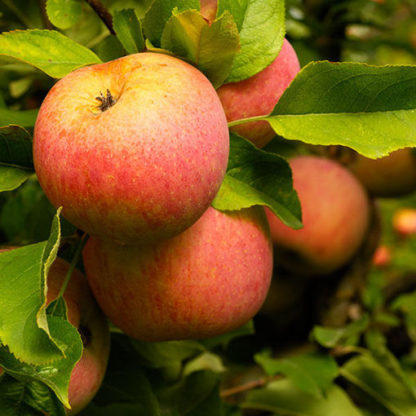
(135, 150)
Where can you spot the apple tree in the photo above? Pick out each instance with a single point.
(193, 211)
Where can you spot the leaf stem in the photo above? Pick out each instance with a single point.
(247, 120)
(103, 14)
(72, 266)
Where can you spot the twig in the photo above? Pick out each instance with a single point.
(103, 13)
(248, 386)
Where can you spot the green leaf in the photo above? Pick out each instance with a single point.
(48, 50)
(282, 397)
(256, 177)
(224, 339)
(110, 48)
(23, 323)
(347, 335)
(162, 354)
(382, 386)
(25, 118)
(55, 375)
(125, 383)
(128, 30)
(11, 178)
(159, 13)
(376, 115)
(22, 398)
(63, 13)
(261, 26)
(310, 373)
(16, 148)
(211, 47)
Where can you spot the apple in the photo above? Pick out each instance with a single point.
(390, 176)
(209, 9)
(84, 314)
(258, 95)
(134, 149)
(382, 257)
(208, 280)
(335, 213)
(404, 221)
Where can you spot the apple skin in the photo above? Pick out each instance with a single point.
(258, 95)
(390, 176)
(209, 9)
(84, 314)
(335, 211)
(404, 222)
(208, 280)
(145, 168)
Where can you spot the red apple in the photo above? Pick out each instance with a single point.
(382, 257)
(133, 149)
(84, 314)
(335, 211)
(390, 176)
(258, 95)
(208, 280)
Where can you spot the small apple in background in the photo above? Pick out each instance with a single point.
(258, 95)
(390, 176)
(208, 280)
(335, 211)
(84, 314)
(133, 149)
(382, 257)
(404, 222)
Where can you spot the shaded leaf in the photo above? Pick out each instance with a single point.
(159, 13)
(129, 30)
(256, 177)
(311, 373)
(382, 386)
(211, 47)
(282, 397)
(25, 118)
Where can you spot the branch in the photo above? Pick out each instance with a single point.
(103, 13)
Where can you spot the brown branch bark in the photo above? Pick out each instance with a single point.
(103, 13)
(247, 386)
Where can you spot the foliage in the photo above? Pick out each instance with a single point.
(363, 362)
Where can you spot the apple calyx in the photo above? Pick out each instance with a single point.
(106, 101)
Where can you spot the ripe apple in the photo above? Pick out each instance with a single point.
(382, 257)
(335, 211)
(208, 280)
(390, 176)
(133, 149)
(84, 314)
(259, 94)
(404, 221)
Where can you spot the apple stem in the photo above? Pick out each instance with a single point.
(247, 120)
(72, 266)
(103, 13)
